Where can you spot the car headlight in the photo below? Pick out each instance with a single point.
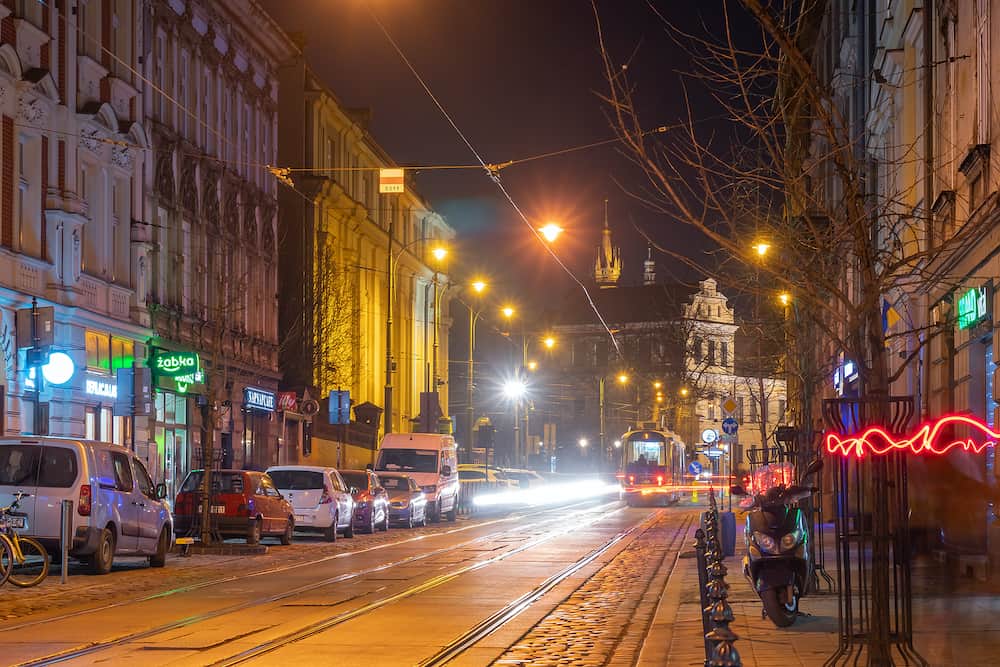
(791, 540)
(765, 542)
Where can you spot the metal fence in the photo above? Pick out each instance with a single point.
(716, 613)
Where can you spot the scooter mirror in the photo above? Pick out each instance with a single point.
(737, 490)
(813, 468)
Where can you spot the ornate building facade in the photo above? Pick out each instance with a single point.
(349, 238)
(73, 148)
(207, 247)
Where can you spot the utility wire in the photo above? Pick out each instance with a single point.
(492, 174)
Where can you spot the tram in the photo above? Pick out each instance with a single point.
(652, 467)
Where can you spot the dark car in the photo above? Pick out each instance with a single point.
(407, 503)
(243, 504)
(371, 502)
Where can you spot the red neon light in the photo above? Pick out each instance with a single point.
(927, 440)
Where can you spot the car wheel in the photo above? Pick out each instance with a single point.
(286, 537)
(102, 559)
(409, 518)
(385, 520)
(159, 559)
(331, 533)
(349, 531)
(453, 512)
(253, 532)
(371, 522)
(436, 514)
(423, 518)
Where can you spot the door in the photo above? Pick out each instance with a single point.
(121, 495)
(19, 473)
(57, 480)
(345, 503)
(274, 522)
(150, 509)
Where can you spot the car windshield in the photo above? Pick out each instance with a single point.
(408, 460)
(297, 480)
(222, 482)
(358, 480)
(468, 475)
(394, 483)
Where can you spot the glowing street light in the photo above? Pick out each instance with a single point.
(507, 311)
(549, 342)
(622, 378)
(761, 248)
(583, 442)
(785, 298)
(439, 253)
(617, 443)
(684, 391)
(532, 365)
(657, 385)
(478, 286)
(550, 231)
(514, 389)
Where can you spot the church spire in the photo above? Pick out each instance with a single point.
(608, 267)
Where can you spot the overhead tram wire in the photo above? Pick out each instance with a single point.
(494, 175)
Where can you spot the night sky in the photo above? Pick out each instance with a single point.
(520, 78)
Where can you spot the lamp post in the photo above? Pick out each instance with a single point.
(393, 262)
(478, 287)
(439, 254)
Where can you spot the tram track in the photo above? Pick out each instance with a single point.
(124, 640)
(501, 617)
(323, 625)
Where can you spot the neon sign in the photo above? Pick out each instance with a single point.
(930, 438)
(176, 363)
(972, 307)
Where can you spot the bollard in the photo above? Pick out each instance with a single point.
(65, 536)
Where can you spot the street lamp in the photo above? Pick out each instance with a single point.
(550, 231)
(761, 247)
(549, 342)
(785, 298)
(583, 442)
(532, 365)
(617, 443)
(507, 311)
(439, 253)
(622, 378)
(478, 287)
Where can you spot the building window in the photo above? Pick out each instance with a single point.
(98, 351)
(781, 410)
(724, 351)
(753, 409)
(711, 352)
(975, 192)
(697, 350)
(739, 409)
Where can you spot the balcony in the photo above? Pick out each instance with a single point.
(104, 298)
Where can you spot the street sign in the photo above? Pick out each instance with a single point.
(730, 426)
(713, 452)
(390, 181)
(729, 406)
(340, 406)
(695, 468)
(709, 435)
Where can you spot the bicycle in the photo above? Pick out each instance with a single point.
(24, 561)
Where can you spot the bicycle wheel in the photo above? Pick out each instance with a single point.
(35, 566)
(6, 559)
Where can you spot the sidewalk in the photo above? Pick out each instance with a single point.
(955, 625)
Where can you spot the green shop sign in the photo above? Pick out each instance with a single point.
(176, 371)
(973, 306)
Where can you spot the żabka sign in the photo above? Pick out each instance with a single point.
(930, 438)
(176, 363)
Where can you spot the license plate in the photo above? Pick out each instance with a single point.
(17, 522)
(300, 517)
(216, 509)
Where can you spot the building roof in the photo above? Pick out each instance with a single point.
(624, 305)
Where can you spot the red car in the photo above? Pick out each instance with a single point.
(371, 500)
(244, 504)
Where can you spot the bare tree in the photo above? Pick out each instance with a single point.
(845, 225)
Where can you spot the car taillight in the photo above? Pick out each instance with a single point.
(83, 507)
(326, 498)
(631, 479)
(364, 496)
(659, 480)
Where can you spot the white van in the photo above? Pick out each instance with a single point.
(117, 510)
(431, 459)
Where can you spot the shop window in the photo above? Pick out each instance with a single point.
(98, 351)
(122, 353)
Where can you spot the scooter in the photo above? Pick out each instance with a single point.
(778, 562)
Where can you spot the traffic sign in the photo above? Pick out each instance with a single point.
(695, 468)
(714, 452)
(709, 435)
(730, 426)
(729, 406)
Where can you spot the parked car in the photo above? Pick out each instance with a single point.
(407, 503)
(431, 459)
(477, 473)
(117, 510)
(525, 479)
(319, 496)
(244, 504)
(371, 501)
